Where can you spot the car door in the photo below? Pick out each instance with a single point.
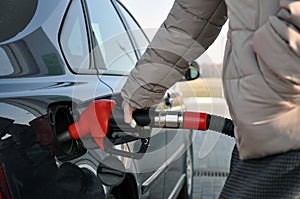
(176, 143)
(115, 52)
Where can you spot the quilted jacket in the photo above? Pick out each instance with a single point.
(261, 72)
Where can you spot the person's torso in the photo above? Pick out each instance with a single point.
(255, 108)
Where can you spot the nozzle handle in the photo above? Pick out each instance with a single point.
(143, 117)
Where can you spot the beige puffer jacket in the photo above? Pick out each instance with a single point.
(261, 74)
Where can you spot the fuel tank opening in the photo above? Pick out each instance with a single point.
(61, 120)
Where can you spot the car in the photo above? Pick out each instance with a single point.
(63, 56)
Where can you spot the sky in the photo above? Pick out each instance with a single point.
(151, 13)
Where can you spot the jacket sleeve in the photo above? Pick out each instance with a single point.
(277, 46)
(190, 28)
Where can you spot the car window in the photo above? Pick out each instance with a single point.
(138, 35)
(6, 67)
(73, 38)
(114, 48)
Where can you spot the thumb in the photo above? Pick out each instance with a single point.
(128, 110)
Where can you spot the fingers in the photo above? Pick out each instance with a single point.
(128, 110)
(133, 123)
(290, 12)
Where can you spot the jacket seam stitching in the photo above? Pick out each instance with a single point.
(201, 18)
(200, 33)
(165, 60)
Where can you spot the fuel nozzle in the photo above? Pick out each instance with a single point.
(104, 122)
(93, 121)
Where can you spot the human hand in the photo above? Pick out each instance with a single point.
(290, 12)
(128, 110)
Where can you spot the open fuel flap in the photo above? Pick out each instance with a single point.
(61, 118)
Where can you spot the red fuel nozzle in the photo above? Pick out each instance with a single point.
(94, 121)
(99, 121)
